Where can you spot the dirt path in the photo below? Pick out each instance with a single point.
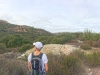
(92, 70)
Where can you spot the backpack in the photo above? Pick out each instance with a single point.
(36, 63)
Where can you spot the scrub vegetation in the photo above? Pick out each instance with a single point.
(18, 39)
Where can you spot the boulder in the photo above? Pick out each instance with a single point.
(56, 49)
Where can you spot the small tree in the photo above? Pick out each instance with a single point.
(25, 47)
(86, 47)
(2, 46)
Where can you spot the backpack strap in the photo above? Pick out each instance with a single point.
(40, 55)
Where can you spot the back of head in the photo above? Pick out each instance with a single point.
(38, 45)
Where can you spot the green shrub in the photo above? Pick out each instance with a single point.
(93, 59)
(14, 41)
(25, 47)
(2, 46)
(78, 54)
(64, 65)
(85, 47)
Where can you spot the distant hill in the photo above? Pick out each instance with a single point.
(7, 28)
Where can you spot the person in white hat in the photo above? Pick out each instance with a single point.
(37, 47)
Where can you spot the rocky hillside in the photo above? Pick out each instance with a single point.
(7, 28)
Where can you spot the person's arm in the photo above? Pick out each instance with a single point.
(29, 66)
(46, 67)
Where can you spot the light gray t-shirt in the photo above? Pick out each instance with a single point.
(44, 59)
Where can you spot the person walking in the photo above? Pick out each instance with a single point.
(33, 65)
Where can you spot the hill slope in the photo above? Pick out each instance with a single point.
(7, 28)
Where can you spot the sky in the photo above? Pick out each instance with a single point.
(53, 15)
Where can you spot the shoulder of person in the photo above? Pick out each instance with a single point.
(44, 55)
(30, 54)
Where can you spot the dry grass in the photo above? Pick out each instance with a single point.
(9, 66)
(58, 64)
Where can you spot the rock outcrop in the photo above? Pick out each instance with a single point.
(53, 48)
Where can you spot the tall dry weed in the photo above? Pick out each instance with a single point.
(12, 67)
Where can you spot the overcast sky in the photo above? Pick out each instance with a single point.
(53, 15)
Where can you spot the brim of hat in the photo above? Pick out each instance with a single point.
(34, 43)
